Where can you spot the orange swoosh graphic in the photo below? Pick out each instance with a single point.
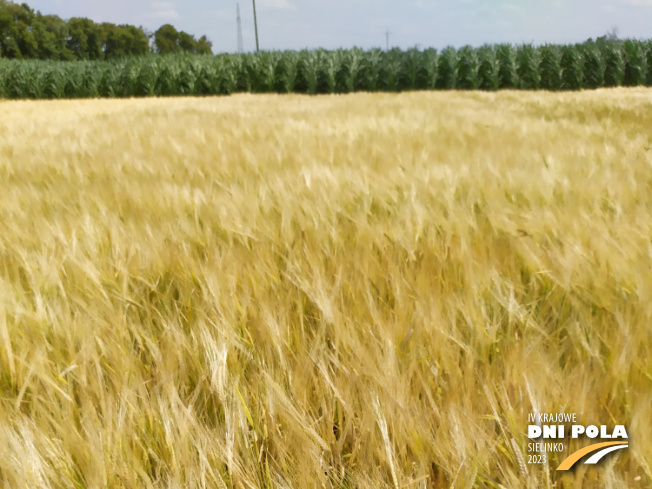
(575, 456)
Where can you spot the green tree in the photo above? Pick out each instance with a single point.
(124, 40)
(78, 40)
(187, 43)
(166, 39)
(51, 34)
(25, 33)
(25, 40)
(137, 40)
(204, 46)
(8, 46)
(16, 39)
(85, 39)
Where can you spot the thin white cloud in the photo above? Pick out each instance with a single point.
(221, 14)
(276, 4)
(511, 7)
(164, 15)
(161, 5)
(162, 11)
(425, 5)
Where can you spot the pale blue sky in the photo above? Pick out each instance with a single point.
(296, 24)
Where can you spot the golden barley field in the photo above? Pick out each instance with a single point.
(362, 291)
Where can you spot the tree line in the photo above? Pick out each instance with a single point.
(29, 34)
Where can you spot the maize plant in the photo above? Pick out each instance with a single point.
(347, 73)
(23, 80)
(528, 59)
(648, 63)
(262, 68)
(307, 72)
(188, 76)
(426, 77)
(410, 62)
(447, 69)
(91, 77)
(490, 67)
(235, 77)
(227, 75)
(73, 82)
(286, 72)
(388, 77)
(594, 67)
(328, 66)
(109, 82)
(572, 65)
(370, 70)
(467, 69)
(145, 83)
(550, 68)
(507, 70)
(127, 79)
(257, 72)
(4, 67)
(364, 79)
(635, 63)
(614, 73)
(281, 76)
(207, 81)
(167, 82)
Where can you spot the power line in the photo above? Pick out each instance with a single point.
(256, 26)
(240, 46)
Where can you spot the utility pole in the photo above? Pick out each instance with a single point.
(240, 46)
(256, 26)
(387, 39)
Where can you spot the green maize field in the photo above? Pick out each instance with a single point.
(491, 67)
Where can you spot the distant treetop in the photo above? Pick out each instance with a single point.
(25, 33)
